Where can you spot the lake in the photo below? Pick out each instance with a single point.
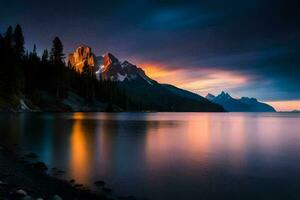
(168, 155)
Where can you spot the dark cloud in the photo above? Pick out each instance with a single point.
(257, 38)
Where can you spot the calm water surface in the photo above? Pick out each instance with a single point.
(168, 155)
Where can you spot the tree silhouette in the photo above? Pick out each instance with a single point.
(9, 71)
(19, 42)
(8, 39)
(57, 54)
(45, 56)
(47, 81)
(56, 60)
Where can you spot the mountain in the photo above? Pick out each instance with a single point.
(243, 104)
(149, 93)
(83, 55)
(295, 111)
(210, 97)
(291, 111)
(114, 70)
(145, 92)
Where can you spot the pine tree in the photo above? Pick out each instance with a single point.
(56, 59)
(33, 55)
(34, 50)
(19, 42)
(9, 85)
(19, 49)
(45, 56)
(8, 39)
(57, 54)
(86, 74)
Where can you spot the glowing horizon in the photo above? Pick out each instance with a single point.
(200, 81)
(203, 81)
(289, 105)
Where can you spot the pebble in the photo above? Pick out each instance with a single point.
(3, 183)
(21, 192)
(27, 198)
(99, 183)
(56, 197)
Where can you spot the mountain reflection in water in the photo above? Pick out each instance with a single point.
(168, 155)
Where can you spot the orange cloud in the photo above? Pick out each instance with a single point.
(200, 81)
(156, 72)
(285, 105)
(203, 81)
(214, 82)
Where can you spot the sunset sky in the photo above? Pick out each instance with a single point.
(245, 48)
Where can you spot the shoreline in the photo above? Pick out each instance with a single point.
(21, 179)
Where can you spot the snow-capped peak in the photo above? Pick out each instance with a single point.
(108, 59)
(210, 96)
(107, 66)
(115, 70)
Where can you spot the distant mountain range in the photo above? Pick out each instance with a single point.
(149, 94)
(244, 104)
(154, 96)
(295, 111)
(291, 111)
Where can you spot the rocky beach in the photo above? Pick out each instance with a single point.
(23, 177)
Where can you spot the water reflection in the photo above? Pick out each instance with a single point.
(163, 155)
(80, 156)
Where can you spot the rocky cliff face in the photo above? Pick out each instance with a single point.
(106, 67)
(111, 68)
(83, 55)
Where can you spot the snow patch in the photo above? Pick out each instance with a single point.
(121, 77)
(23, 105)
(101, 69)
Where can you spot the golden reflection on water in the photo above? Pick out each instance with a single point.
(193, 139)
(79, 152)
(156, 145)
(197, 139)
(188, 140)
(100, 142)
(198, 135)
